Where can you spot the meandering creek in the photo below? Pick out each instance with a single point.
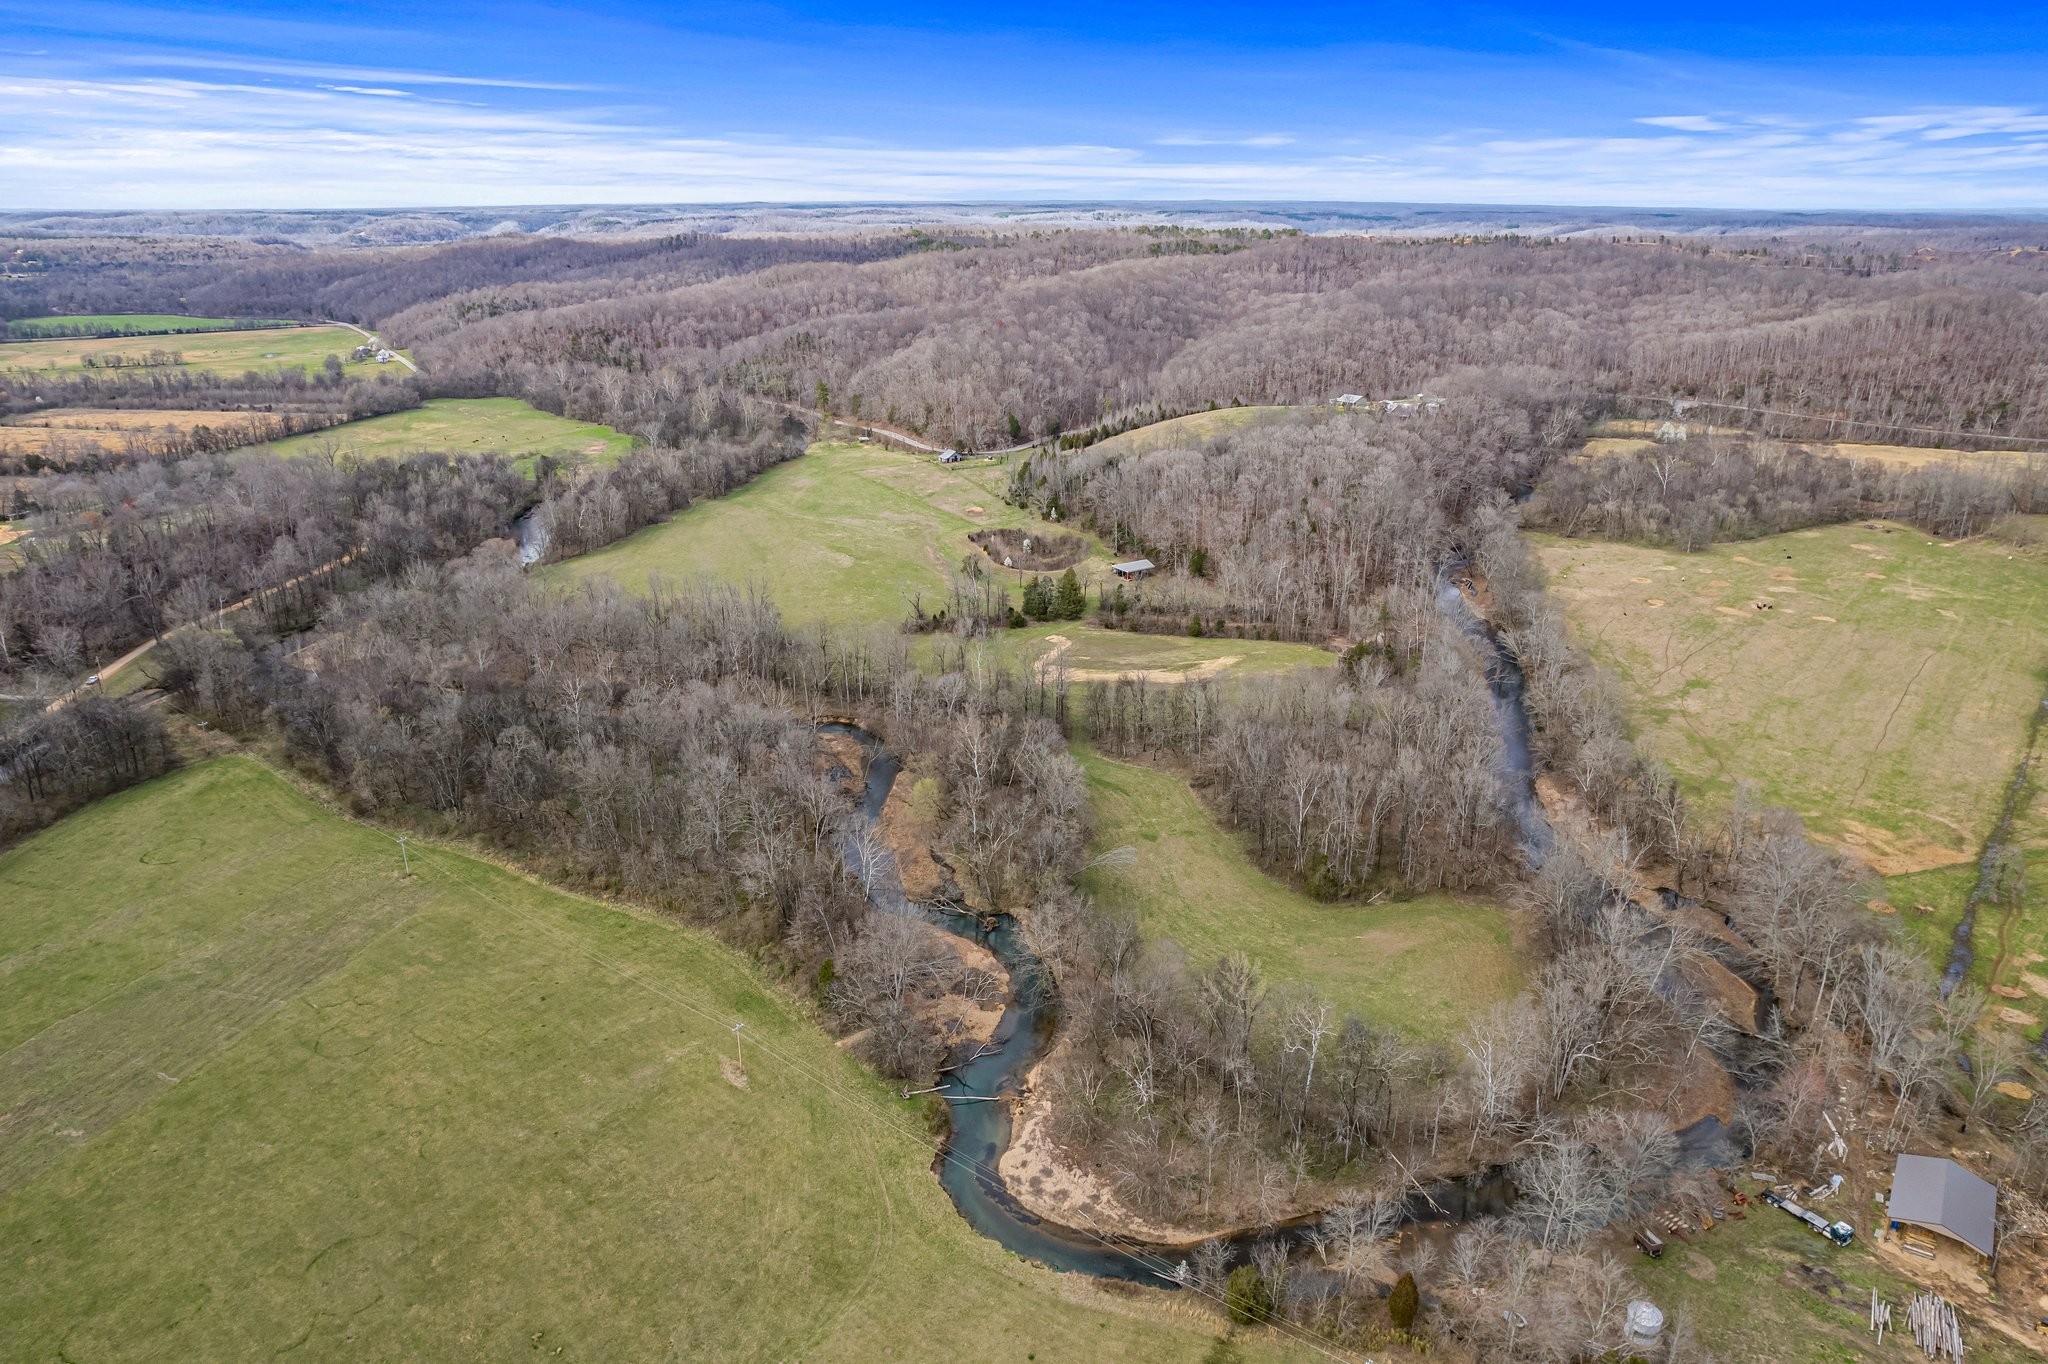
(981, 1132)
(967, 1167)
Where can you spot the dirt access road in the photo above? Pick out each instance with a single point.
(129, 658)
(371, 337)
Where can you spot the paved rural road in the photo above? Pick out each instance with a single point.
(371, 337)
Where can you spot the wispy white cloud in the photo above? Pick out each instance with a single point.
(318, 71)
(1198, 140)
(1688, 123)
(152, 141)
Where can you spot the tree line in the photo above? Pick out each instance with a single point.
(1690, 495)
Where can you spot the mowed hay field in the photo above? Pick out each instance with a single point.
(267, 1096)
(1883, 695)
(220, 352)
(467, 426)
(846, 533)
(1093, 654)
(1423, 966)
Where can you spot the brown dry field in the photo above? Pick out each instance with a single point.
(1627, 438)
(42, 431)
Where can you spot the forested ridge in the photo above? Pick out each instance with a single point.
(982, 338)
(664, 746)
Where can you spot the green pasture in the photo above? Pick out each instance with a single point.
(467, 425)
(1883, 694)
(1765, 1287)
(1093, 653)
(845, 533)
(267, 1096)
(220, 352)
(2009, 939)
(127, 324)
(1424, 966)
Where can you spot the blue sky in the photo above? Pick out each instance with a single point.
(315, 104)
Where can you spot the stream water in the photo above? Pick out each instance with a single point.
(1505, 684)
(533, 532)
(967, 1167)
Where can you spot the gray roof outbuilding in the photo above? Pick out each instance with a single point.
(1935, 1192)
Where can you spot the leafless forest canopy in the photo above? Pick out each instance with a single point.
(664, 746)
(985, 337)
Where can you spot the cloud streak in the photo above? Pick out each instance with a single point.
(361, 138)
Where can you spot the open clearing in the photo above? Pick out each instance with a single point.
(1191, 429)
(264, 1094)
(1899, 456)
(845, 533)
(1094, 654)
(223, 352)
(467, 426)
(2010, 942)
(1753, 1289)
(1883, 694)
(125, 324)
(848, 533)
(1193, 882)
(57, 430)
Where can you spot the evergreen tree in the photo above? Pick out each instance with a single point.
(1245, 1293)
(1404, 1302)
(1038, 598)
(1071, 601)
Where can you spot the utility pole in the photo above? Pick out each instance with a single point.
(741, 1055)
(404, 854)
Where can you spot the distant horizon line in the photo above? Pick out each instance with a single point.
(1214, 205)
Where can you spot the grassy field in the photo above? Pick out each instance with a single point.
(1883, 695)
(1900, 456)
(1095, 654)
(468, 425)
(1194, 883)
(266, 1095)
(1193, 428)
(56, 430)
(122, 324)
(1744, 1295)
(2010, 941)
(846, 533)
(226, 352)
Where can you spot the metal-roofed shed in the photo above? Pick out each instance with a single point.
(1132, 568)
(1940, 1195)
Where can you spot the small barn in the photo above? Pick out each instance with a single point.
(1938, 1208)
(1132, 569)
(1350, 399)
